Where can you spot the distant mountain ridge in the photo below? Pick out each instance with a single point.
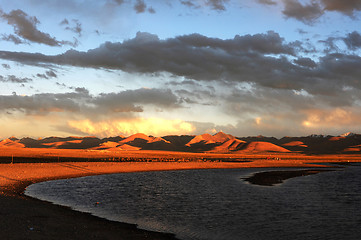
(220, 142)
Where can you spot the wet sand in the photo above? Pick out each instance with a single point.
(27, 218)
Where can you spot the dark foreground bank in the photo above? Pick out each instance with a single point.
(27, 218)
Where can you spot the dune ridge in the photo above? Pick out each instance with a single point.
(217, 143)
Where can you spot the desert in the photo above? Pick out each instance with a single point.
(23, 165)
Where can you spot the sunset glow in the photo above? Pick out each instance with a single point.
(152, 126)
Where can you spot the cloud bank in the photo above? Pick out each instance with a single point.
(266, 60)
(25, 29)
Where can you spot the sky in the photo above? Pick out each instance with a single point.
(171, 67)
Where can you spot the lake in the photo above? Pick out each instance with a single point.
(218, 203)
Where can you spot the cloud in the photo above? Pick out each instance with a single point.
(218, 5)
(310, 11)
(77, 28)
(125, 101)
(25, 27)
(12, 38)
(265, 60)
(140, 6)
(353, 40)
(189, 3)
(267, 2)
(151, 10)
(81, 102)
(346, 7)
(305, 62)
(182, 55)
(119, 1)
(6, 66)
(331, 118)
(148, 126)
(51, 74)
(47, 75)
(39, 104)
(307, 13)
(14, 79)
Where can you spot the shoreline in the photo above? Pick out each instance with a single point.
(49, 221)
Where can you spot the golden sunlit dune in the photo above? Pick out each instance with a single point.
(158, 139)
(106, 145)
(10, 143)
(209, 139)
(219, 142)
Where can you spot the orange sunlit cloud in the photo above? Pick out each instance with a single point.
(150, 126)
(331, 118)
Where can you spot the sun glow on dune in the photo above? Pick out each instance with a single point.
(150, 126)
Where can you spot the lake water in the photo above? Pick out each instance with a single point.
(219, 204)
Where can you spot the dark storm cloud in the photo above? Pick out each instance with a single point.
(307, 13)
(14, 79)
(353, 40)
(305, 62)
(81, 101)
(25, 27)
(262, 59)
(39, 103)
(125, 101)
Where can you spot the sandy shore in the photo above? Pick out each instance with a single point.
(27, 218)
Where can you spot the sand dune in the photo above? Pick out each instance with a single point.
(257, 147)
(136, 136)
(11, 143)
(356, 148)
(61, 143)
(145, 138)
(206, 138)
(220, 142)
(336, 138)
(229, 146)
(295, 144)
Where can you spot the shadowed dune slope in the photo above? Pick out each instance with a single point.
(295, 144)
(263, 147)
